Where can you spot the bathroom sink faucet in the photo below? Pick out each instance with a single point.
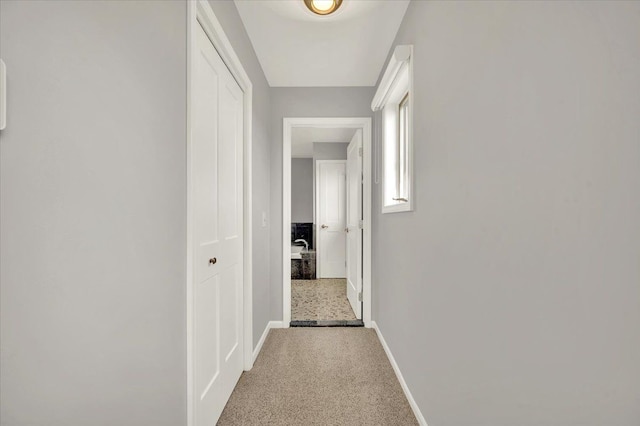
(306, 244)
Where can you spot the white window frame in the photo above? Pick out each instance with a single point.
(395, 86)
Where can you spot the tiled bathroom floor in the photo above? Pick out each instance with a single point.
(324, 299)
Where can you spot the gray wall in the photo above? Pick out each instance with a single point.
(229, 18)
(511, 295)
(302, 102)
(93, 216)
(301, 190)
(92, 196)
(330, 151)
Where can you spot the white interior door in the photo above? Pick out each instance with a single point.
(354, 218)
(332, 212)
(217, 226)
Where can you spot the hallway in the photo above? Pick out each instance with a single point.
(160, 162)
(319, 376)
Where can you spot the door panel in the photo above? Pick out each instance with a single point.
(354, 216)
(205, 154)
(228, 314)
(332, 218)
(217, 216)
(230, 105)
(207, 313)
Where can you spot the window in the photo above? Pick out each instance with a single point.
(394, 98)
(403, 141)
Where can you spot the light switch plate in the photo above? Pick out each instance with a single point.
(3, 95)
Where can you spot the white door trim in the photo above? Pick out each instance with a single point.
(288, 123)
(354, 235)
(316, 213)
(199, 12)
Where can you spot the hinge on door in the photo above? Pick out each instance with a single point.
(360, 297)
(360, 152)
(360, 224)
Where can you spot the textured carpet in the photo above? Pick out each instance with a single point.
(324, 299)
(319, 376)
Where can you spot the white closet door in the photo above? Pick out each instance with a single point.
(218, 209)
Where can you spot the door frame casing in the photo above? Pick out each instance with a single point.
(364, 123)
(199, 12)
(316, 213)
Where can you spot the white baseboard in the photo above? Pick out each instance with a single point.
(403, 384)
(258, 348)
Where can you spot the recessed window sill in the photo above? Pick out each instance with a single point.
(397, 208)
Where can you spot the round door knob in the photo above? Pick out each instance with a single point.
(213, 261)
(324, 226)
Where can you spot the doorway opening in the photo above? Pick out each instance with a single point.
(326, 222)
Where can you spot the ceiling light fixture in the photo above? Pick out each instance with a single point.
(323, 7)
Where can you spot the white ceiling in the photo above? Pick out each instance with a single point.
(302, 139)
(297, 48)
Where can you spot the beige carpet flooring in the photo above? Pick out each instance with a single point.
(319, 376)
(324, 299)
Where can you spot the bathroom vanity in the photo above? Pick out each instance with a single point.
(303, 253)
(305, 267)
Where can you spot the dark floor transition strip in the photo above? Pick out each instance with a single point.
(327, 323)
